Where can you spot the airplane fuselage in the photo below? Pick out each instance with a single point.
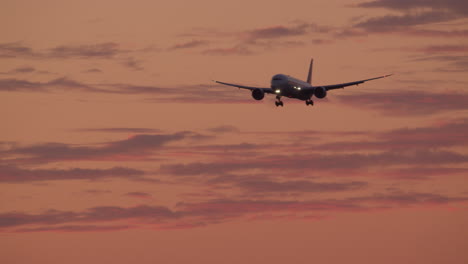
(285, 85)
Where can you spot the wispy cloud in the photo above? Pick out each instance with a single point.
(75, 228)
(120, 130)
(412, 103)
(135, 147)
(317, 162)
(392, 22)
(12, 174)
(194, 214)
(182, 93)
(141, 195)
(383, 153)
(455, 63)
(253, 41)
(105, 50)
(133, 64)
(423, 173)
(371, 153)
(95, 214)
(300, 186)
(423, 138)
(97, 191)
(413, 14)
(189, 45)
(408, 198)
(442, 49)
(455, 6)
(437, 33)
(98, 51)
(235, 50)
(15, 85)
(20, 70)
(223, 129)
(93, 70)
(284, 31)
(14, 49)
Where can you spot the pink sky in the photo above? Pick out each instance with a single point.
(116, 147)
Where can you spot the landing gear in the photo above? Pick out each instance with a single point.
(278, 101)
(309, 102)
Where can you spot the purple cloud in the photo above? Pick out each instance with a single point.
(235, 50)
(423, 138)
(316, 162)
(75, 228)
(189, 45)
(284, 31)
(382, 152)
(438, 33)
(14, 85)
(391, 23)
(415, 13)
(224, 129)
(138, 146)
(267, 186)
(120, 130)
(20, 70)
(407, 102)
(12, 174)
(105, 50)
(93, 70)
(456, 6)
(194, 214)
(132, 63)
(95, 214)
(138, 195)
(15, 49)
(445, 49)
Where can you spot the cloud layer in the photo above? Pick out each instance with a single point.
(189, 215)
(414, 13)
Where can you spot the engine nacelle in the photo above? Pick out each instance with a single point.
(258, 94)
(320, 92)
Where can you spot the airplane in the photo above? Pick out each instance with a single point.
(287, 86)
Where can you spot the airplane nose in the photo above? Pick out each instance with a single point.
(278, 81)
(276, 84)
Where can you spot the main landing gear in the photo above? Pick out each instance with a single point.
(309, 102)
(278, 101)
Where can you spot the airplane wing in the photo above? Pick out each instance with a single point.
(266, 90)
(343, 85)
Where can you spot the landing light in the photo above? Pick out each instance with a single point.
(277, 91)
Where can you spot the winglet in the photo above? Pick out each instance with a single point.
(309, 76)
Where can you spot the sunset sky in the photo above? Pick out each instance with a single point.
(116, 147)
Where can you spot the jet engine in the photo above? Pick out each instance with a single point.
(258, 94)
(320, 92)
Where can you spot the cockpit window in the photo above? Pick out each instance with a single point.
(277, 79)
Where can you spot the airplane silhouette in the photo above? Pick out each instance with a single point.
(287, 86)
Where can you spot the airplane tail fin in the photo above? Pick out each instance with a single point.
(309, 76)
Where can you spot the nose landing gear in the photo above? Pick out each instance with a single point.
(278, 101)
(309, 102)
